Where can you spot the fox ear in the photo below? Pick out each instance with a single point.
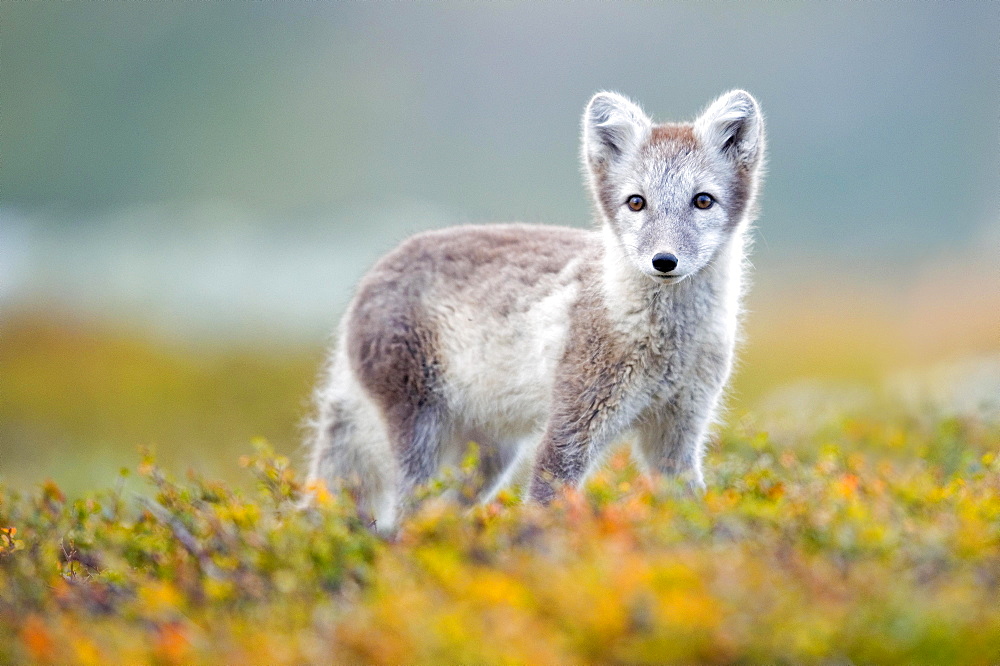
(613, 125)
(733, 124)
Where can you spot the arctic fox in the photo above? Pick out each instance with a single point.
(545, 345)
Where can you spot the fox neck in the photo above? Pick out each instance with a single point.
(635, 301)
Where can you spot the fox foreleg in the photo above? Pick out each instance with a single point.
(671, 440)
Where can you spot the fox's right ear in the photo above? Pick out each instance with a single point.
(613, 126)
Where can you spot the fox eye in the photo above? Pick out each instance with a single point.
(703, 200)
(636, 203)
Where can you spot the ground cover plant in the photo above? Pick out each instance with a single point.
(866, 534)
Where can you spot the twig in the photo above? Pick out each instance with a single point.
(182, 534)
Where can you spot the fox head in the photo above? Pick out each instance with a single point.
(673, 194)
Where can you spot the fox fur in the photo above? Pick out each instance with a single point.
(545, 345)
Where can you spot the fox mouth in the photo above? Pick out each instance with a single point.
(669, 278)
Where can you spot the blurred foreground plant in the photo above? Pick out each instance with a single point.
(109, 577)
(875, 538)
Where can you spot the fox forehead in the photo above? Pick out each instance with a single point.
(674, 161)
(674, 136)
(671, 158)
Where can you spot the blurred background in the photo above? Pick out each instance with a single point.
(189, 192)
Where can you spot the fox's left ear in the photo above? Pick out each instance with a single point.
(733, 123)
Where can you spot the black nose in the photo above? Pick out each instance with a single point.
(664, 262)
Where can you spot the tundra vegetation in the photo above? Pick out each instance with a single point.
(848, 525)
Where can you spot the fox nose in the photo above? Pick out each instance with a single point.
(664, 262)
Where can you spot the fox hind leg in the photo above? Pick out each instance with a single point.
(499, 463)
(350, 451)
(418, 435)
(393, 347)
